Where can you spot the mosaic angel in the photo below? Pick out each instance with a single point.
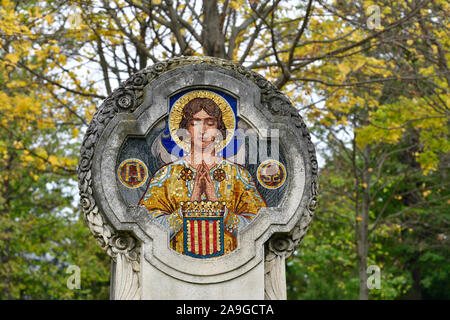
(203, 198)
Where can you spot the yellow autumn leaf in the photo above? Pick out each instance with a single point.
(28, 158)
(53, 160)
(48, 18)
(75, 132)
(426, 193)
(11, 57)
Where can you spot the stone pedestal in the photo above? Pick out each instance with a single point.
(160, 286)
(126, 127)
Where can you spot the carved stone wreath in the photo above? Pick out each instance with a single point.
(126, 98)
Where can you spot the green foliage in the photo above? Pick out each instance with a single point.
(410, 247)
(41, 231)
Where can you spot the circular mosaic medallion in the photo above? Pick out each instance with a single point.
(132, 173)
(271, 174)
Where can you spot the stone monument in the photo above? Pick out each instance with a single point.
(198, 178)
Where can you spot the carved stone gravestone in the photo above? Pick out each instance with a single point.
(198, 177)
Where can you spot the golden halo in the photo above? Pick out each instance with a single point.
(176, 114)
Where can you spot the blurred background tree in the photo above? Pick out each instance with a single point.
(370, 78)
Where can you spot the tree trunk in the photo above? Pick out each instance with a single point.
(416, 286)
(362, 227)
(362, 248)
(212, 37)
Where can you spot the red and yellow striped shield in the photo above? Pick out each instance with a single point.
(203, 236)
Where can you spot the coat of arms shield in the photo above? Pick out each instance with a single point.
(203, 229)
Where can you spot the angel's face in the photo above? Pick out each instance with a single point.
(202, 129)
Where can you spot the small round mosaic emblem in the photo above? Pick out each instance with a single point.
(219, 175)
(271, 174)
(132, 173)
(186, 174)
